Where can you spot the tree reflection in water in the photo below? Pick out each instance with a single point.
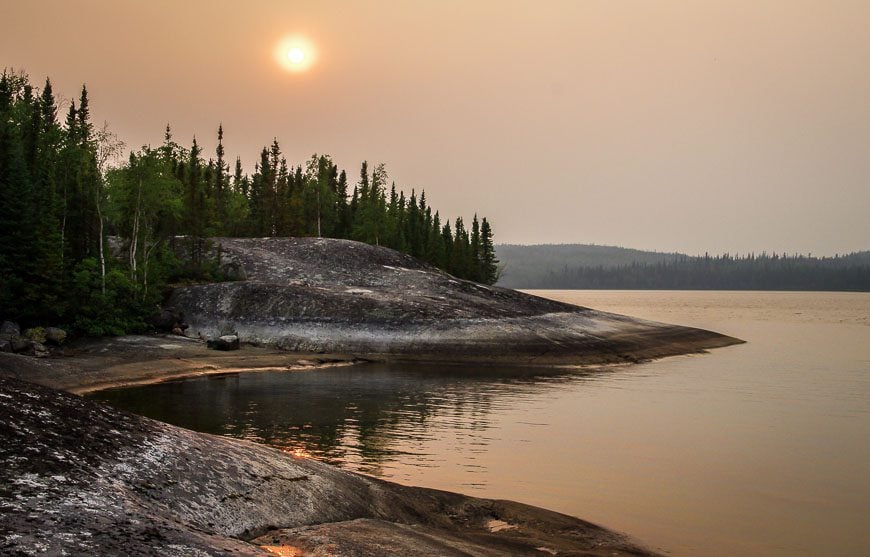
(360, 417)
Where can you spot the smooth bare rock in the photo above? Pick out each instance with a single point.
(81, 478)
(340, 296)
(10, 328)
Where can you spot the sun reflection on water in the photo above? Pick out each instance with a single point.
(283, 550)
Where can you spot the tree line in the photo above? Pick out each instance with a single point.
(163, 192)
(61, 201)
(722, 272)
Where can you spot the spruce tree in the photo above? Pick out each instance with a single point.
(476, 270)
(220, 189)
(16, 249)
(195, 210)
(488, 261)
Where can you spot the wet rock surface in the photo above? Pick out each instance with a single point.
(340, 296)
(80, 478)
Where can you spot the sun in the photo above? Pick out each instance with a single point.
(295, 53)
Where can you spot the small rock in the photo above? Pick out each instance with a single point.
(10, 328)
(39, 350)
(226, 342)
(178, 331)
(55, 335)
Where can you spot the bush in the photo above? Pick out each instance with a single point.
(36, 334)
(121, 309)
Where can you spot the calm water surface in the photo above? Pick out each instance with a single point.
(758, 449)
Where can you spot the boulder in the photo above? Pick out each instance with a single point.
(168, 320)
(55, 335)
(233, 271)
(38, 349)
(5, 346)
(20, 344)
(10, 328)
(226, 342)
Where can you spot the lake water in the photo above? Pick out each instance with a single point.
(757, 449)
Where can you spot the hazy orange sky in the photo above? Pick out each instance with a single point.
(692, 125)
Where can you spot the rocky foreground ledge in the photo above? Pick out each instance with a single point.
(80, 478)
(340, 296)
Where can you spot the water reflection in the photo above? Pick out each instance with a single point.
(757, 449)
(363, 418)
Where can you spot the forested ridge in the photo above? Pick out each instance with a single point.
(61, 199)
(601, 267)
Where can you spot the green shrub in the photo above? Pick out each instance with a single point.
(36, 334)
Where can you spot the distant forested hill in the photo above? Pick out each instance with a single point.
(526, 266)
(603, 267)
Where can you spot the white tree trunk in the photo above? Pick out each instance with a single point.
(134, 237)
(102, 250)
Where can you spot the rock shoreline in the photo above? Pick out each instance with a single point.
(78, 477)
(340, 296)
(94, 364)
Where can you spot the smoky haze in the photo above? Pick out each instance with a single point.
(687, 126)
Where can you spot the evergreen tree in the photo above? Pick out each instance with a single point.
(195, 207)
(260, 222)
(55, 202)
(220, 187)
(16, 248)
(82, 186)
(476, 270)
(343, 224)
(489, 271)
